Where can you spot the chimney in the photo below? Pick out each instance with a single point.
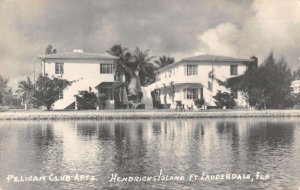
(254, 63)
(78, 51)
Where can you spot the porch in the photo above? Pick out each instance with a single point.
(182, 94)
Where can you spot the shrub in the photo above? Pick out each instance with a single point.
(46, 92)
(224, 99)
(267, 86)
(86, 100)
(199, 102)
(102, 101)
(292, 100)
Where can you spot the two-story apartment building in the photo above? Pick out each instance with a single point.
(87, 71)
(199, 77)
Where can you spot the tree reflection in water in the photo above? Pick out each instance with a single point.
(143, 147)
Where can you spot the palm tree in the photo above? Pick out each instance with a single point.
(50, 49)
(122, 64)
(137, 69)
(143, 73)
(26, 89)
(122, 69)
(164, 61)
(143, 67)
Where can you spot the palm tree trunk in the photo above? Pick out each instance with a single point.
(26, 105)
(134, 88)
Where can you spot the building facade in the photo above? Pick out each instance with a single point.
(199, 77)
(295, 86)
(87, 71)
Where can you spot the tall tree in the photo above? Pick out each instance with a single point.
(47, 90)
(143, 73)
(3, 87)
(122, 67)
(269, 84)
(26, 90)
(296, 74)
(164, 61)
(137, 68)
(50, 49)
(143, 67)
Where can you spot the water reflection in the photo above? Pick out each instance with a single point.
(143, 147)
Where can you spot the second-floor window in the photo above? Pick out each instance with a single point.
(106, 68)
(191, 70)
(233, 70)
(157, 78)
(59, 68)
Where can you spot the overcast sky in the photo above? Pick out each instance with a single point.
(175, 28)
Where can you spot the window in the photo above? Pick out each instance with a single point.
(192, 93)
(59, 68)
(106, 68)
(191, 70)
(60, 94)
(201, 93)
(209, 86)
(235, 94)
(233, 70)
(158, 77)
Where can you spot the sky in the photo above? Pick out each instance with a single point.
(174, 28)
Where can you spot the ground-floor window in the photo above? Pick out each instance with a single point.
(201, 93)
(191, 93)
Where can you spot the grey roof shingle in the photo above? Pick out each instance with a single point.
(76, 55)
(216, 58)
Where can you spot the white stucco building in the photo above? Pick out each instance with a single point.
(199, 77)
(89, 71)
(295, 86)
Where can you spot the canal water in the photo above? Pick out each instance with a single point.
(243, 153)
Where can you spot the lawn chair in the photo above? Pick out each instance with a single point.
(133, 104)
(190, 107)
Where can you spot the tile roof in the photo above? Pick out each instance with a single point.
(76, 55)
(208, 58)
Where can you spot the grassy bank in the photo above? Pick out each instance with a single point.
(142, 114)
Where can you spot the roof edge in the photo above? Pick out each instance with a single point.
(101, 56)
